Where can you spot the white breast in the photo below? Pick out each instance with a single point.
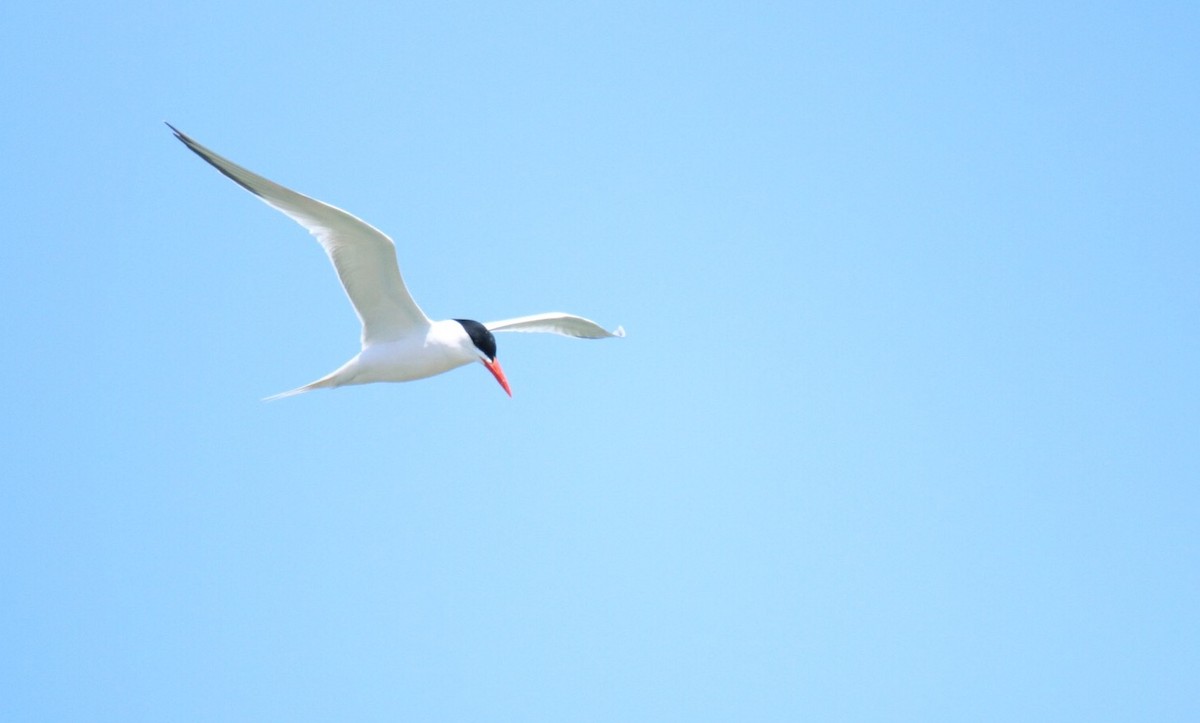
(431, 350)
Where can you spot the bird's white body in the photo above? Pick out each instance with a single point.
(399, 342)
(428, 351)
(436, 348)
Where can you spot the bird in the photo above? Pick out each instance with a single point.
(399, 342)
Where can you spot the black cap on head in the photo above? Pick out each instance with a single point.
(480, 337)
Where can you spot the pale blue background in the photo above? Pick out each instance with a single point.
(906, 426)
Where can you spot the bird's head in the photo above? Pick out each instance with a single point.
(485, 346)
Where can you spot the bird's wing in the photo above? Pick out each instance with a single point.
(364, 257)
(556, 322)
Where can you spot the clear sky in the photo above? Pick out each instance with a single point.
(906, 426)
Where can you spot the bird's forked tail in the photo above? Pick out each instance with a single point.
(324, 382)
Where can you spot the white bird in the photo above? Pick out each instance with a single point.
(399, 343)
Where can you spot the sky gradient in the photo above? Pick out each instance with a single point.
(906, 425)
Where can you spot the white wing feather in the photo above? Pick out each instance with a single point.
(364, 257)
(556, 322)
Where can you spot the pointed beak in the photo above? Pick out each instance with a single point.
(493, 366)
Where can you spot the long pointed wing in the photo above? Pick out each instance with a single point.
(556, 322)
(365, 258)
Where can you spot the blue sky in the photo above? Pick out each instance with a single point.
(905, 428)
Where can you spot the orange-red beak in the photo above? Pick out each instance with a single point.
(493, 366)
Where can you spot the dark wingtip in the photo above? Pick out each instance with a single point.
(201, 151)
(183, 137)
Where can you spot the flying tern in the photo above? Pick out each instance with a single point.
(399, 342)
